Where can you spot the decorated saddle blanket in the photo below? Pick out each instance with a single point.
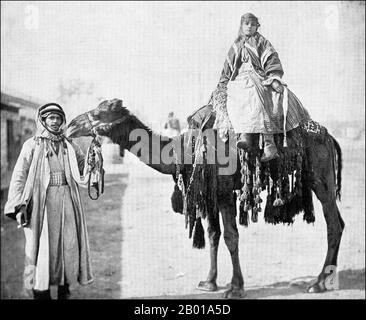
(286, 180)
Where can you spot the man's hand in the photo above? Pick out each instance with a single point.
(21, 217)
(277, 86)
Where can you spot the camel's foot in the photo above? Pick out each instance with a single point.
(207, 286)
(317, 287)
(234, 293)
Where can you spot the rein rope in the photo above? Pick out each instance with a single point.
(95, 170)
(94, 161)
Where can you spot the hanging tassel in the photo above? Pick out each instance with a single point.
(247, 206)
(285, 186)
(246, 193)
(278, 201)
(258, 200)
(258, 184)
(192, 221)
(266, 179)
(298, 183)
(243, 215)
(243, 175)
(258, 187)
(255, 214)
(261, 142)
(292, 183)
(185, 211)
(177, 200)
(199, 235)
(285, 108)
(269, 210)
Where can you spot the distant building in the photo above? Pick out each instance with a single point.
(17, 125)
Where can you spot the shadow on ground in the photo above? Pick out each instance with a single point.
(348, 280)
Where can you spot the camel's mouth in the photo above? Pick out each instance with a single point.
(98, 121)
(79, 127)
(84, 125)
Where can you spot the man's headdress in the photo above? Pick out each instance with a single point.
(45, 110)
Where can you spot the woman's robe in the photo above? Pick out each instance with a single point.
(252, 105)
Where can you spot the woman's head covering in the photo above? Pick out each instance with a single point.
(244, 18)
(249, 17)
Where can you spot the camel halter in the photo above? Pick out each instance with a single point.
(94, 160)
(92, 128)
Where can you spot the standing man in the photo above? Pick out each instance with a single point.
(44, 199)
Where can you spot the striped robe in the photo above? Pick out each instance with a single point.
(251, 104)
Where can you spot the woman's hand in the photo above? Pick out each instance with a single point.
(277, 86)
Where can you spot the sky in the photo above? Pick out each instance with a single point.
(167, 56)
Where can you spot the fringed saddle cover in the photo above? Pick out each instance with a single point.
(286, 180)
(200, 181)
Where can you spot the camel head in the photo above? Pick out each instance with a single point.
(98, 121)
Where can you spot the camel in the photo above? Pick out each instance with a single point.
(115, 121)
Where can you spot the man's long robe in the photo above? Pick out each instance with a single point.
(57, 233)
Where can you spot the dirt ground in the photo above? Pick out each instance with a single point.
(140, 248)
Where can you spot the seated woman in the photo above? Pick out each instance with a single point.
(256, 95)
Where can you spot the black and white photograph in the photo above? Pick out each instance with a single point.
(183, 150)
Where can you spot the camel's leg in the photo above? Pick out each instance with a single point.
(231, 236)
(214, 233)
(324, 187)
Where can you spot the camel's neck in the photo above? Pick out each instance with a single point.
(151, 148)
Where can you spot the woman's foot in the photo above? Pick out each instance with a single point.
(270, 149)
